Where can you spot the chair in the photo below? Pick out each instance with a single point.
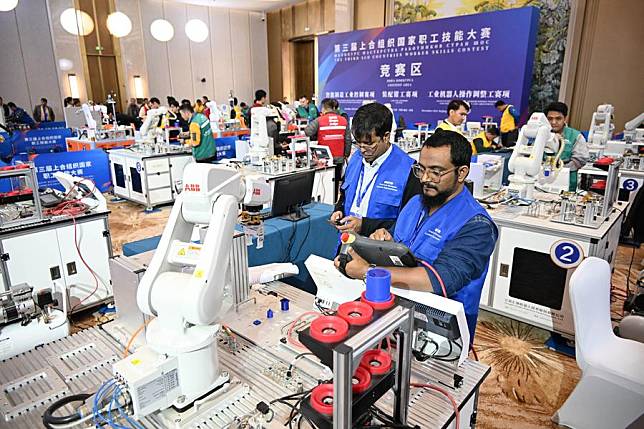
(610, 393)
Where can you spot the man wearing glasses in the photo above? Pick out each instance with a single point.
(378, 180)
(444, 227)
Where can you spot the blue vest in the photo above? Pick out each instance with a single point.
(388, 187)
(426, 240)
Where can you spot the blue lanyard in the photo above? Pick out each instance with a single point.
(361, 194)
(422, 219)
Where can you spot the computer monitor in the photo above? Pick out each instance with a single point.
(290, 194)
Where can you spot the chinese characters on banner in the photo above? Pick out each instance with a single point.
(419, 67)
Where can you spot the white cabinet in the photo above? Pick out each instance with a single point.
(46, 256)
(148, 179)
(324, 186)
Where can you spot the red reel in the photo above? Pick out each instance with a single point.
(378, 362)
(322, 399)
(386, 305)
(361, 380)
(329, 329)
(356, 313)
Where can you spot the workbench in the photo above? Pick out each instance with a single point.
(148, 178)
(254, 358)
(524, 282)
(45, 255)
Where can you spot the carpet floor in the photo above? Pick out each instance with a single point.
(528, 382)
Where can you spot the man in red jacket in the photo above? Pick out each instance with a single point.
(332, 130)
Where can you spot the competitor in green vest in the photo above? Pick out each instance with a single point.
(575, 153)
(306, 109)
(201, 139)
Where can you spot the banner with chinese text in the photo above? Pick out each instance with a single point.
(419, 67)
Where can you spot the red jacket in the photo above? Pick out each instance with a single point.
(332, 128)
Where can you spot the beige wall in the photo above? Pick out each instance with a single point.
(369, 14)
(27, 65)
(234, 57)
(610, 66)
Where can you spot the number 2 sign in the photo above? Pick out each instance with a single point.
(566, 254)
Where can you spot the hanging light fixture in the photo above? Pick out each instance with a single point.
(119, 24)
(162, 30)
(196, 30)
(65, 64)
(76, 22)
(8, 5)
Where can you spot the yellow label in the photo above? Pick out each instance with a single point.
(198, 274)
(135, 361)
(182, 252)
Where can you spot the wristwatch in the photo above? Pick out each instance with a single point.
(364, 277)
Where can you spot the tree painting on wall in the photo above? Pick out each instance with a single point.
(551, 37)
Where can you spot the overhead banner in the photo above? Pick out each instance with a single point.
(420, 67)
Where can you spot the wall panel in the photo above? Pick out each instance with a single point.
(259, 54)
(200, 53)
(156, 53)
(222, 57)
(241, 64)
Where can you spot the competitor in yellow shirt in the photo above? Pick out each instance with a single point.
(509, 121)
(484, 141)
(457, 111)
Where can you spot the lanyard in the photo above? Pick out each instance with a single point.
(361, 194)
(422, 219)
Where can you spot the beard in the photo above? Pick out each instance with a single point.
(432, 202)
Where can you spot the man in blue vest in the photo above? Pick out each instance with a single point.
(378, 180)
(444, 227)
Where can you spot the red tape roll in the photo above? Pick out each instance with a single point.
(378, 362)
(379, 305)
(322, 399)
(361, 380)
(356, 313)
(329, 329)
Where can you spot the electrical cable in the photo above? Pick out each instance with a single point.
(49, 419)
(289, 334)
(445, 393)
(126, 352)
(435, 272)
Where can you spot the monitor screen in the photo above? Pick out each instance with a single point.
(291, 192)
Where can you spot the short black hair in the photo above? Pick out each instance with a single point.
(11, 105)
(456, 104)
(205, 97)
(259, 94)
(43, 100)
(170, 99)
(185, 101)
(173, 103)
(336, 104)
(460, 150)
(557, 106)
(372, 117)
(328, 103)
(492, 130)
(187, 108)
(235, 101)
(243, 104)
(154, 100)
(499, 103)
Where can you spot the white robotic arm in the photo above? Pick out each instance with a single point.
(187, 286)
(89, 120)
(632, 132)
(527, 156)
(83, 189)
(149, 128)
(260, 143)
(601, 126)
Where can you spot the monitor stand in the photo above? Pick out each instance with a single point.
(296, 215)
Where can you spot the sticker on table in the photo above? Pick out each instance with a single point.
(566, 254)
(630, 185)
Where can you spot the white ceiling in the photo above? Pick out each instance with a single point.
(259, 5)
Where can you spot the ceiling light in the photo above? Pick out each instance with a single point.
(65, 64)
(76, 22)
(8, 5)
(162, 30)
(118, 24)
(196, 30)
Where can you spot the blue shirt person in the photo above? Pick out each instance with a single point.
(378, 180)
(444, 227)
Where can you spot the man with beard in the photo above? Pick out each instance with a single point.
(444, 227)
(378, 180)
